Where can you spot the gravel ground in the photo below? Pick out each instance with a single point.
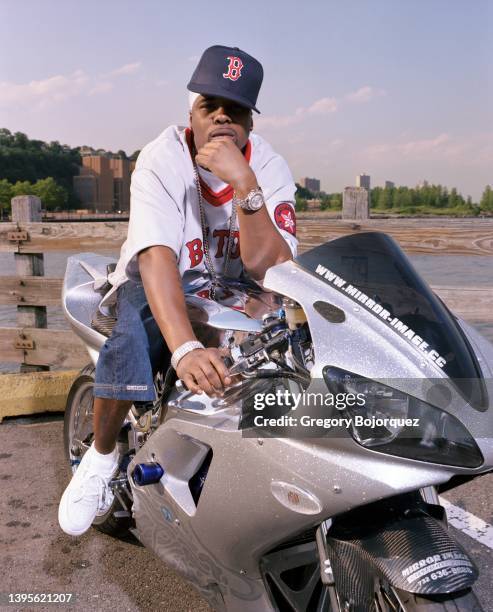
(103, 573)
(37, 557)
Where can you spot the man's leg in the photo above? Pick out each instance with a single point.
(109, 415)
(124, 374)
(88, 492)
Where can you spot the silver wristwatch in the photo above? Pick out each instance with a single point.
(253, 201)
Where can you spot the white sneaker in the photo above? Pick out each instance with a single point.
(88, 493)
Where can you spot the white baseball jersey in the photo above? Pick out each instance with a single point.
(164, 207)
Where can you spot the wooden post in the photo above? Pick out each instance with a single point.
(27, 209)
(355, 203)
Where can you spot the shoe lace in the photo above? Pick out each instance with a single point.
(94, 485)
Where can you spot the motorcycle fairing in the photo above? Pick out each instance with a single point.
(373, 271)
(240, 306)
(370, 348)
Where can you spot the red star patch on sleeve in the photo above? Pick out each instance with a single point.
(285, 217)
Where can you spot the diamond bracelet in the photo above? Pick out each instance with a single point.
(183, 349)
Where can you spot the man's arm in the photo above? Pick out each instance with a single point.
(201, 369)
(261, 245)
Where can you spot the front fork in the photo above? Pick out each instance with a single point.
(428, 494)
(326, 573)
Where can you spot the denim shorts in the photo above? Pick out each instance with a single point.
(135, 351)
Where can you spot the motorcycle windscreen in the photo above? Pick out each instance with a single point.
(372, 270)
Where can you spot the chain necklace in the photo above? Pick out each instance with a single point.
(232, 225)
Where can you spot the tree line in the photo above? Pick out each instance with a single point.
(24, 162)
(52, 195)
(35, 167)
(407, 200)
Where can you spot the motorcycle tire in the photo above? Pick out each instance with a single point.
(461, 601)
(403, 601)
(79, 414)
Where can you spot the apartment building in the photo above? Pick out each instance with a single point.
(103, 183)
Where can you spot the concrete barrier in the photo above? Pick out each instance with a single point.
(26, 394)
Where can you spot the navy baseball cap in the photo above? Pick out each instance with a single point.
(228, 72)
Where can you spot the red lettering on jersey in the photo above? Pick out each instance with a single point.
(223, 234)
(195, 252)
(234, 68)
(285, 217)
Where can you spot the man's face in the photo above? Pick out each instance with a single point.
(213, 117)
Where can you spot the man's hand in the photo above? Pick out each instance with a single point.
(204, 370)
(225, 160)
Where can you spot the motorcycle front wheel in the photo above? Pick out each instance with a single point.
(78, 436)
(292, 578)
(461, 601)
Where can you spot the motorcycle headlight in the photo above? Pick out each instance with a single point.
(396, 423)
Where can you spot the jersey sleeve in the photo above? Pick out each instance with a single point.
(279, 189)
(155, 218)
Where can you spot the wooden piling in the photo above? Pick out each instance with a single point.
(355, 203)
(27, 209)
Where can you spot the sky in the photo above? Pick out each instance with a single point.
(398, 89)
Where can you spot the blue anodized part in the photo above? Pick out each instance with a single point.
(147, 473)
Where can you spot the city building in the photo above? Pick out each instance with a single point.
(103, 182)
(389, 184)
(363, 180)
(121, 183)
(312, 184)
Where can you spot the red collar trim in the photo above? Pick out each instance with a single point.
(216, 198)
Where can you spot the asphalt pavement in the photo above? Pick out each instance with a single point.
(103, 573)
(106, 574)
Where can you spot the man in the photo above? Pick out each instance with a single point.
(200, 197)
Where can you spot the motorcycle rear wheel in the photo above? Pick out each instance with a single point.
(78, 436)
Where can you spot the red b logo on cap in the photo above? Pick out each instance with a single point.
(234, 68)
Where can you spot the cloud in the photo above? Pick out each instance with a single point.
(473, 151)
(45, 93)
(440, 144)
(131, 68)
(320, 107)
(365, 94)
(277, 121)
(100, 88)
(323, 106)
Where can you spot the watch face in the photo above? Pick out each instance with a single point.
(256, 201)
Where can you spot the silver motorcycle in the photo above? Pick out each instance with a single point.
(311, 484)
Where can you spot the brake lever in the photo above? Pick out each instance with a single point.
(238, 368)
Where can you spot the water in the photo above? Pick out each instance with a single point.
(54, 265)
(452, 270)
